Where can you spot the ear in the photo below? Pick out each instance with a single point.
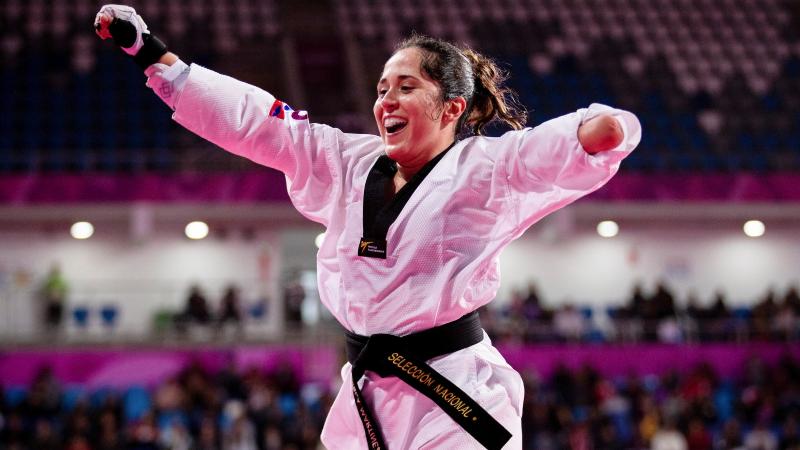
(453, 110)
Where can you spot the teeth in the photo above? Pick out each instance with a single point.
(393, 121)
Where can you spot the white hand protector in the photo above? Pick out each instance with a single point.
(122, 24)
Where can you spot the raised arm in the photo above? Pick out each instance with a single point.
(600, 134)
(238, 117)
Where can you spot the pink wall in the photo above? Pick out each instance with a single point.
(120, 368)
(266, 185)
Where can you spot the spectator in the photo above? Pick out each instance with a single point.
(763, 315)
(668, 437)
(637, 304)
(792, 298)
(196, 309)
(575, 409)
(694, 310)
(12, 434)
(532, 308)
(293, 297)
(273, 440)
(761, 438)
(240, 434)
(81, 443)
(608, 437)
(143, 434)
(230, 307)
(54, 294)
(78, 427)
(45, 437)
(790, 432)
(697, 318)
(208, 436)
(230, 312)
(698, 437)
(663, 302)
(569, 323)
(175, 436)
(109, 437)
(719, 318)
(662, 315)
(44, 398)
(516, 325)
(785, 322)
(731, 436)
(630, 319)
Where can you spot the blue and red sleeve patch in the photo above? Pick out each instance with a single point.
(280, 110)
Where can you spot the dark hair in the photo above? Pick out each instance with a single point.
(462, 72)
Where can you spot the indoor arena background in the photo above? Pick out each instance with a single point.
(677, 324)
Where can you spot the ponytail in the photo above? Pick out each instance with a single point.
(492, 100)
(462, 72)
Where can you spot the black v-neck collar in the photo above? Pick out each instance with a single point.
(380, 212)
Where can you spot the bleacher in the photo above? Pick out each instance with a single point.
(712, 398)
(72, 103)
(715, 84)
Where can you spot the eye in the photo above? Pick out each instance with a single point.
(381, 92)
(406, 88)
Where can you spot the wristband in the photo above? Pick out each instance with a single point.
(125, 34)
(152, 50)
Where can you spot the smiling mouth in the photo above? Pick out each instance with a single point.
(392, 129)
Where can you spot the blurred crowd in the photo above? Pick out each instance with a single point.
(227, 410)
(697, 411)
(574, 409)
(197, 311)
(653, 317)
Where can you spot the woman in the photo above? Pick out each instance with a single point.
(415, 219)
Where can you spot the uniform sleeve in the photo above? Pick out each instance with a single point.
(548, 168)
(252, 123)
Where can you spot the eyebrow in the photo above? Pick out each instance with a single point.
(400, 77)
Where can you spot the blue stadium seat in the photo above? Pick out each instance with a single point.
(257, 311)
(109, 314)
(80, 315)
(742, 313)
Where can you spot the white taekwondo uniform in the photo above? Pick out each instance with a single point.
(442, 257)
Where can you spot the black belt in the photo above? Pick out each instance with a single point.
(405, 357)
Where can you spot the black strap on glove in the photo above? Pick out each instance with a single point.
(124, 35)
(151, 52)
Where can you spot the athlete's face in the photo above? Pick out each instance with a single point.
(409, 111)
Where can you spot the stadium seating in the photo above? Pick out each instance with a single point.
(604, 411)
(715, 84)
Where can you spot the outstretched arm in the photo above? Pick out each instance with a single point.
(239, 117)
(600, 134)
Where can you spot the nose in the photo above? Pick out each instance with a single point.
(389, 101)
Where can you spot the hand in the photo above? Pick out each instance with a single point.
(122, 24)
